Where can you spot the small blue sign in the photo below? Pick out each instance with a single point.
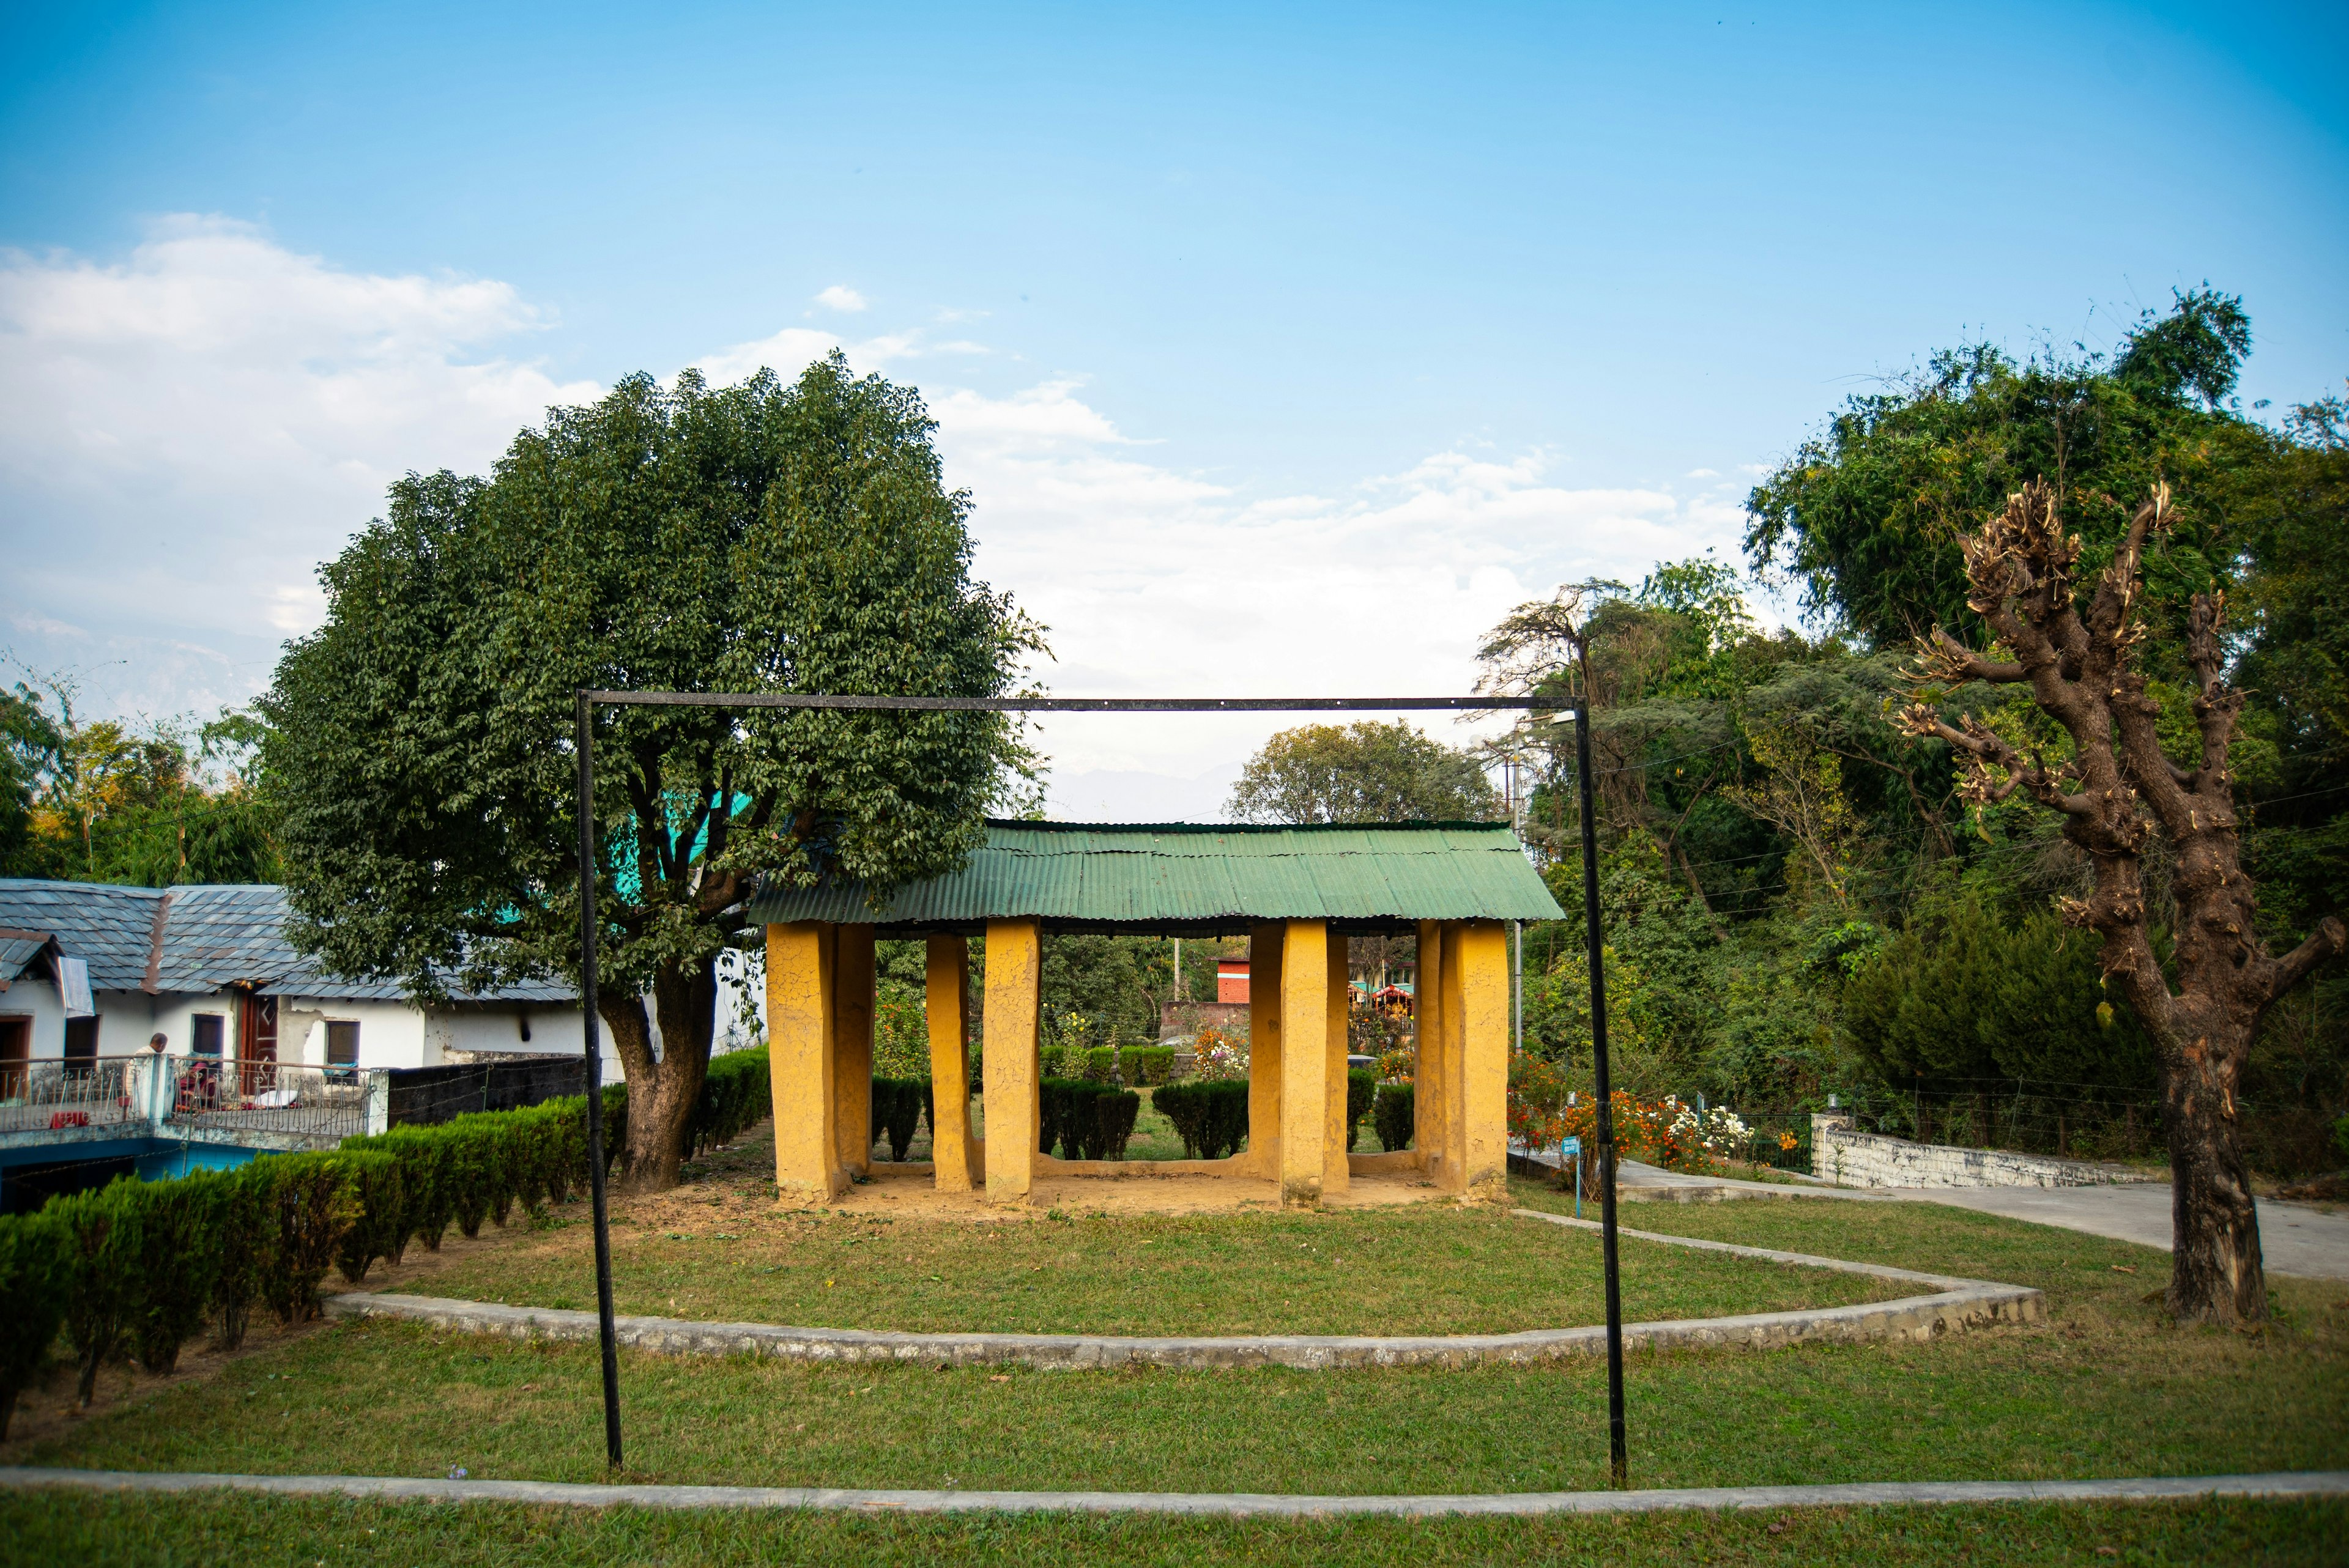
(1570, 1150)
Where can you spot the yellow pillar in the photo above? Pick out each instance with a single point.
(1484, 1035)
(799, 1058)
(1334, 1175)
(852, 1045)
(1453, 1177)
(948, 990)
(1264, 1044)
(1428, 1077)
(1304, 1057)
(1014, 977)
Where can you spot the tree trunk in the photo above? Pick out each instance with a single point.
(2215, 1271)
(86, 1388)
(662, 1094)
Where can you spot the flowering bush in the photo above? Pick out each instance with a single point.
(1544, 1113)
(1216, 1056)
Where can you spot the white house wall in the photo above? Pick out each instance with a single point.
(37, 1000)
(391, 1034)
(464, 1032)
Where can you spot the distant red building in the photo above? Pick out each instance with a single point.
(1231, 979)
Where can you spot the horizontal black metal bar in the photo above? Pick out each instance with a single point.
(1062, 703)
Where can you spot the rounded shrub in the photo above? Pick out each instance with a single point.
(1395, 1115)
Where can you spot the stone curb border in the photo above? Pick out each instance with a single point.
(1228, 1505)
(1956, 1304)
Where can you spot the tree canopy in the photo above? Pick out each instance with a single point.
(768, 537)
(1363, 773)
(148, 803)
(1865, 516)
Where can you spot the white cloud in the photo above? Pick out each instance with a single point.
(1161, 581)
(840, 296)
(186, 433)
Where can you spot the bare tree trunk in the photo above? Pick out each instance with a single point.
(2117, 788)
(2215, 1271)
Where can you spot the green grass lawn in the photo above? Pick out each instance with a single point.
(2104, 1388)
(89, 1531)
(1425, 1269)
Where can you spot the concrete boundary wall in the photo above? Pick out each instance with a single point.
(1227, 1505)
(1953, 1305)
(1869, 1160)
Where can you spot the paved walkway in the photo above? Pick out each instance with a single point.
(2295, 1238)
(2281, 1484)
(2309, 1240)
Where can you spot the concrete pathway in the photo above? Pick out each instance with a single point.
(2281, 1484)
(2309, 1240)
(2295, 1238)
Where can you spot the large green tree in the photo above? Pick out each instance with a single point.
(1868, 516)
(31, 747)
(1365, 772)
(768, 537)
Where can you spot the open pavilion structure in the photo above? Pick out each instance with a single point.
(1296, 893)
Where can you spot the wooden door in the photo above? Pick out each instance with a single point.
(15, 1052)
(256, 1045)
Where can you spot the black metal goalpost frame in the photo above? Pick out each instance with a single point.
(590, 699)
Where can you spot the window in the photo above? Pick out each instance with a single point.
(206, 1035)
(81, 1039)
(342, 1045)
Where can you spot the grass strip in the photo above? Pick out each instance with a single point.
(2106, 1387)
(59, 1527)
(724, 1253)
(1421, 1270)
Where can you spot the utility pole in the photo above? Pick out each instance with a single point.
(1618, 1446)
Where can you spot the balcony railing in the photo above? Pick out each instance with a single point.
(276, 1098)
(52, 1095)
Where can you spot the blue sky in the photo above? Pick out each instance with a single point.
(1280, 346)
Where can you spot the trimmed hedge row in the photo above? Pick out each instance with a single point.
(138, 1268)
(1362, 1092)
(1211, 1116)
(1140, 1064)
(899, 1106)
(735, 1095)
(470, 1168)
(1395, 1115)
(1088, 1121)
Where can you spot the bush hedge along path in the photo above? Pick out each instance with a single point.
(1954, 1306)
(577, 1494)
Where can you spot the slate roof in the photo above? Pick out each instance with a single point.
(17, 953)
(195, 938)
(1182, 877)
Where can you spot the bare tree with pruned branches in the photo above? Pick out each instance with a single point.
(2114, 792)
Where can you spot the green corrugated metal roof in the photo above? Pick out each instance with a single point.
(1184, 875)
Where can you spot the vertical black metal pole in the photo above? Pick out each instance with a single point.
(596, 1160)
(1618, 1446)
